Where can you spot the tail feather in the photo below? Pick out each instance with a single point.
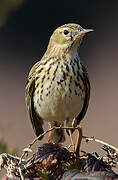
(58, 136)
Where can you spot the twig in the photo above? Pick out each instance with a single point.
(69, 146)
(37, 138)
(21, 174)
(43, 134)
(101, 142)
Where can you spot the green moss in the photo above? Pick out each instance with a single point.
(5, 149)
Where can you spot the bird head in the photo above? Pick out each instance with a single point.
(68, 36)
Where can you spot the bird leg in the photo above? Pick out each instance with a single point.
(72, 141)
(79, 140)
(50, 136)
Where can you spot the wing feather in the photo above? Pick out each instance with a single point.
(86, 82)
(36, 120)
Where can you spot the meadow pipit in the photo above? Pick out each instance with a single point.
(58, 87)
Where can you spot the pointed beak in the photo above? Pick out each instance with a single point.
(84, 31)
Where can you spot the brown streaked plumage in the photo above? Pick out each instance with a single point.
(58, 87)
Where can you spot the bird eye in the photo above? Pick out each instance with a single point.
(66, 32)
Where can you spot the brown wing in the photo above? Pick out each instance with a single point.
(36, 121)
(86, 82)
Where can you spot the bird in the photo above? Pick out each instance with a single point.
(58, 87)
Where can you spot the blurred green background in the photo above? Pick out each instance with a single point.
(25, 29)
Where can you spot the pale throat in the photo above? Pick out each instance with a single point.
(68, 50)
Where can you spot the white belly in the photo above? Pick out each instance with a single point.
(60, 104)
